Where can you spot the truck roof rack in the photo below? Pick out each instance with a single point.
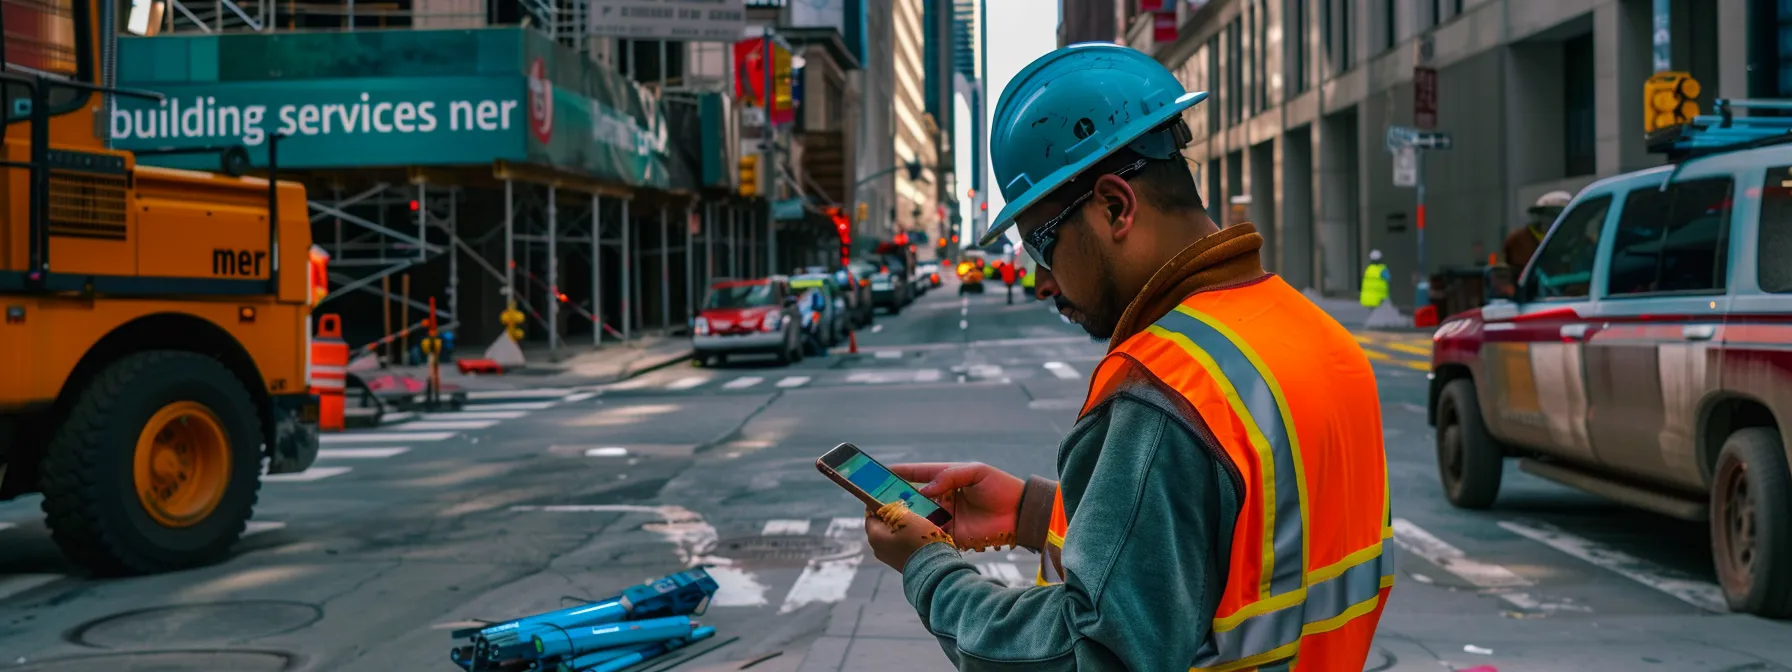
(1723, 131)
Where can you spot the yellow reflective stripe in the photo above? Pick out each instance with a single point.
(1352, 589)
(1265, 455)
(1053, 539)
(1285, 600)
(1253, 661)
(1275, 388)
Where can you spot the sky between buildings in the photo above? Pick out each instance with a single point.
(1019, 31)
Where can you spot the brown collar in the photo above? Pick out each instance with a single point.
(1227, 257)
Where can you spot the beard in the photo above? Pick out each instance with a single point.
(1099, 316)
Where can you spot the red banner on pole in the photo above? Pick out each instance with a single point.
(749, 77)
(1424, 98)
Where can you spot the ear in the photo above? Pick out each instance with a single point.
(1118, 203)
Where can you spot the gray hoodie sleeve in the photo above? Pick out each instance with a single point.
(1144, 558)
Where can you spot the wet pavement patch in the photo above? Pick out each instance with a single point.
(167, 661)
(214, 623)
(780, 549)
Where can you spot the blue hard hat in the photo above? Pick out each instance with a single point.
(1072, 108)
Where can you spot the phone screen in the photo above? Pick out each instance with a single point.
(884, 486)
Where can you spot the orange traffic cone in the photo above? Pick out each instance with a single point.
(852, 342)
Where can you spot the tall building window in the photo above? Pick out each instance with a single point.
(1295, 31)
(1770, 47)
(1214, 81)
(1437, 12)
(1579, 148)
(1235, 71)
(1251, 84)
(1455, 8)
(1346, 35)
(1390, 27)
(1328, 43)
(1261, 42)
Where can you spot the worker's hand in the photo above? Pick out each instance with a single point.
(984, 501)
(895, 533)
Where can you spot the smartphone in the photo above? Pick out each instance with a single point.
(873, 483)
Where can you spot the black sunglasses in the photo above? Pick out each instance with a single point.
(1040, 242)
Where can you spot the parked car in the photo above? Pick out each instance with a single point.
(928, 273)
(889, 284)
(742, 317)
(823, 308)
(1641, 355)
(853, 287)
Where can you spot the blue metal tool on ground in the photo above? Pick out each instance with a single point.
(642, 622)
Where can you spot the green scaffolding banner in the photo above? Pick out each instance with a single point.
(332, 123)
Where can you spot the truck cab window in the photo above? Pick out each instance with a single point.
(1774, 244)
(46, 37)
(1563, 268)
(1672, 241)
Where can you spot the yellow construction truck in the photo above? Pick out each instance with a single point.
(155, 342)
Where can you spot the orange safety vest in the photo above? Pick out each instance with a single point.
(1292, 401)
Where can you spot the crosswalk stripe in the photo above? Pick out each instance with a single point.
(686, 383)
(475, 415)
(786, 527)
(361, 453)
(826, 581)
(307, 476)
(516, 406)
(576, 398)
(547, 393)
(461, 425)
(20, 583)
(743, 383)
(1005, 572)
(1700, 594)
(889, 354)
(260, 526)
(384, 437)
(1061, 370)
(1451, 559)
(793, 381)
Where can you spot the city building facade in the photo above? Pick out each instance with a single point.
(1536, 95)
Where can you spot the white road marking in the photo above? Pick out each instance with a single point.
(889, 354)
(927, 376)
(6, 526)
(963, 324)
(1061, 370)
(634, 384)
(460, 425)
(396, 416)
(519, 406)
(791, 527)
(475, 415)
(742, 383)
(20, 583)
(361, 453)
(606, 451)
(260, 526)
(1491, 578)
(1005, 572)
(686, 383)
(736, 587)
(548, 393)
(385, 437)
(876, 328)
(307, 476)
(825, 580)
(966, 310)
(576, 398)
(1700, 594)
(793, 381)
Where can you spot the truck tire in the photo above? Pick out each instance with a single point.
(1469, 460)
(1751, 535)
(157, 466)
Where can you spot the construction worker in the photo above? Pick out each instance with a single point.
(1375, 281)
(1523, 241)
(1222, 502)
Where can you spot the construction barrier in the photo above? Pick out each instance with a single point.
(329, 373)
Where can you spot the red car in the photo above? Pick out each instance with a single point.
(744, 317)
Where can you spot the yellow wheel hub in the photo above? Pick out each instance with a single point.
(182, 464)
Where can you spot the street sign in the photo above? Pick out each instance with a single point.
(1424, 98)
(1406, 167)
(1432, 141)
(719, 21)
(1399, 136)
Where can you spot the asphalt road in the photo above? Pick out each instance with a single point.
(532, 499)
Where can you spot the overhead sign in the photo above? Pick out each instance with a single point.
(1406, 167)
(698, 20)
(1424, 98)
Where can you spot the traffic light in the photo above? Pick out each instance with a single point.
(942, 242)
(1670, 99)
(864, 212)
(749, 175)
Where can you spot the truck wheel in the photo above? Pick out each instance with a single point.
(157, 467)
(1469, 460)
(1751, 536)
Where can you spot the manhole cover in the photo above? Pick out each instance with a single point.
(792, 548)
(196, 624)
(166, 661)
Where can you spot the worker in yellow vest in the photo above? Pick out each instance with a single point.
(1375, 281)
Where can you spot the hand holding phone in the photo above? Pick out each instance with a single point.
(875, 485)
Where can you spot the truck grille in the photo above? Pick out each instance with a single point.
(86, 205)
